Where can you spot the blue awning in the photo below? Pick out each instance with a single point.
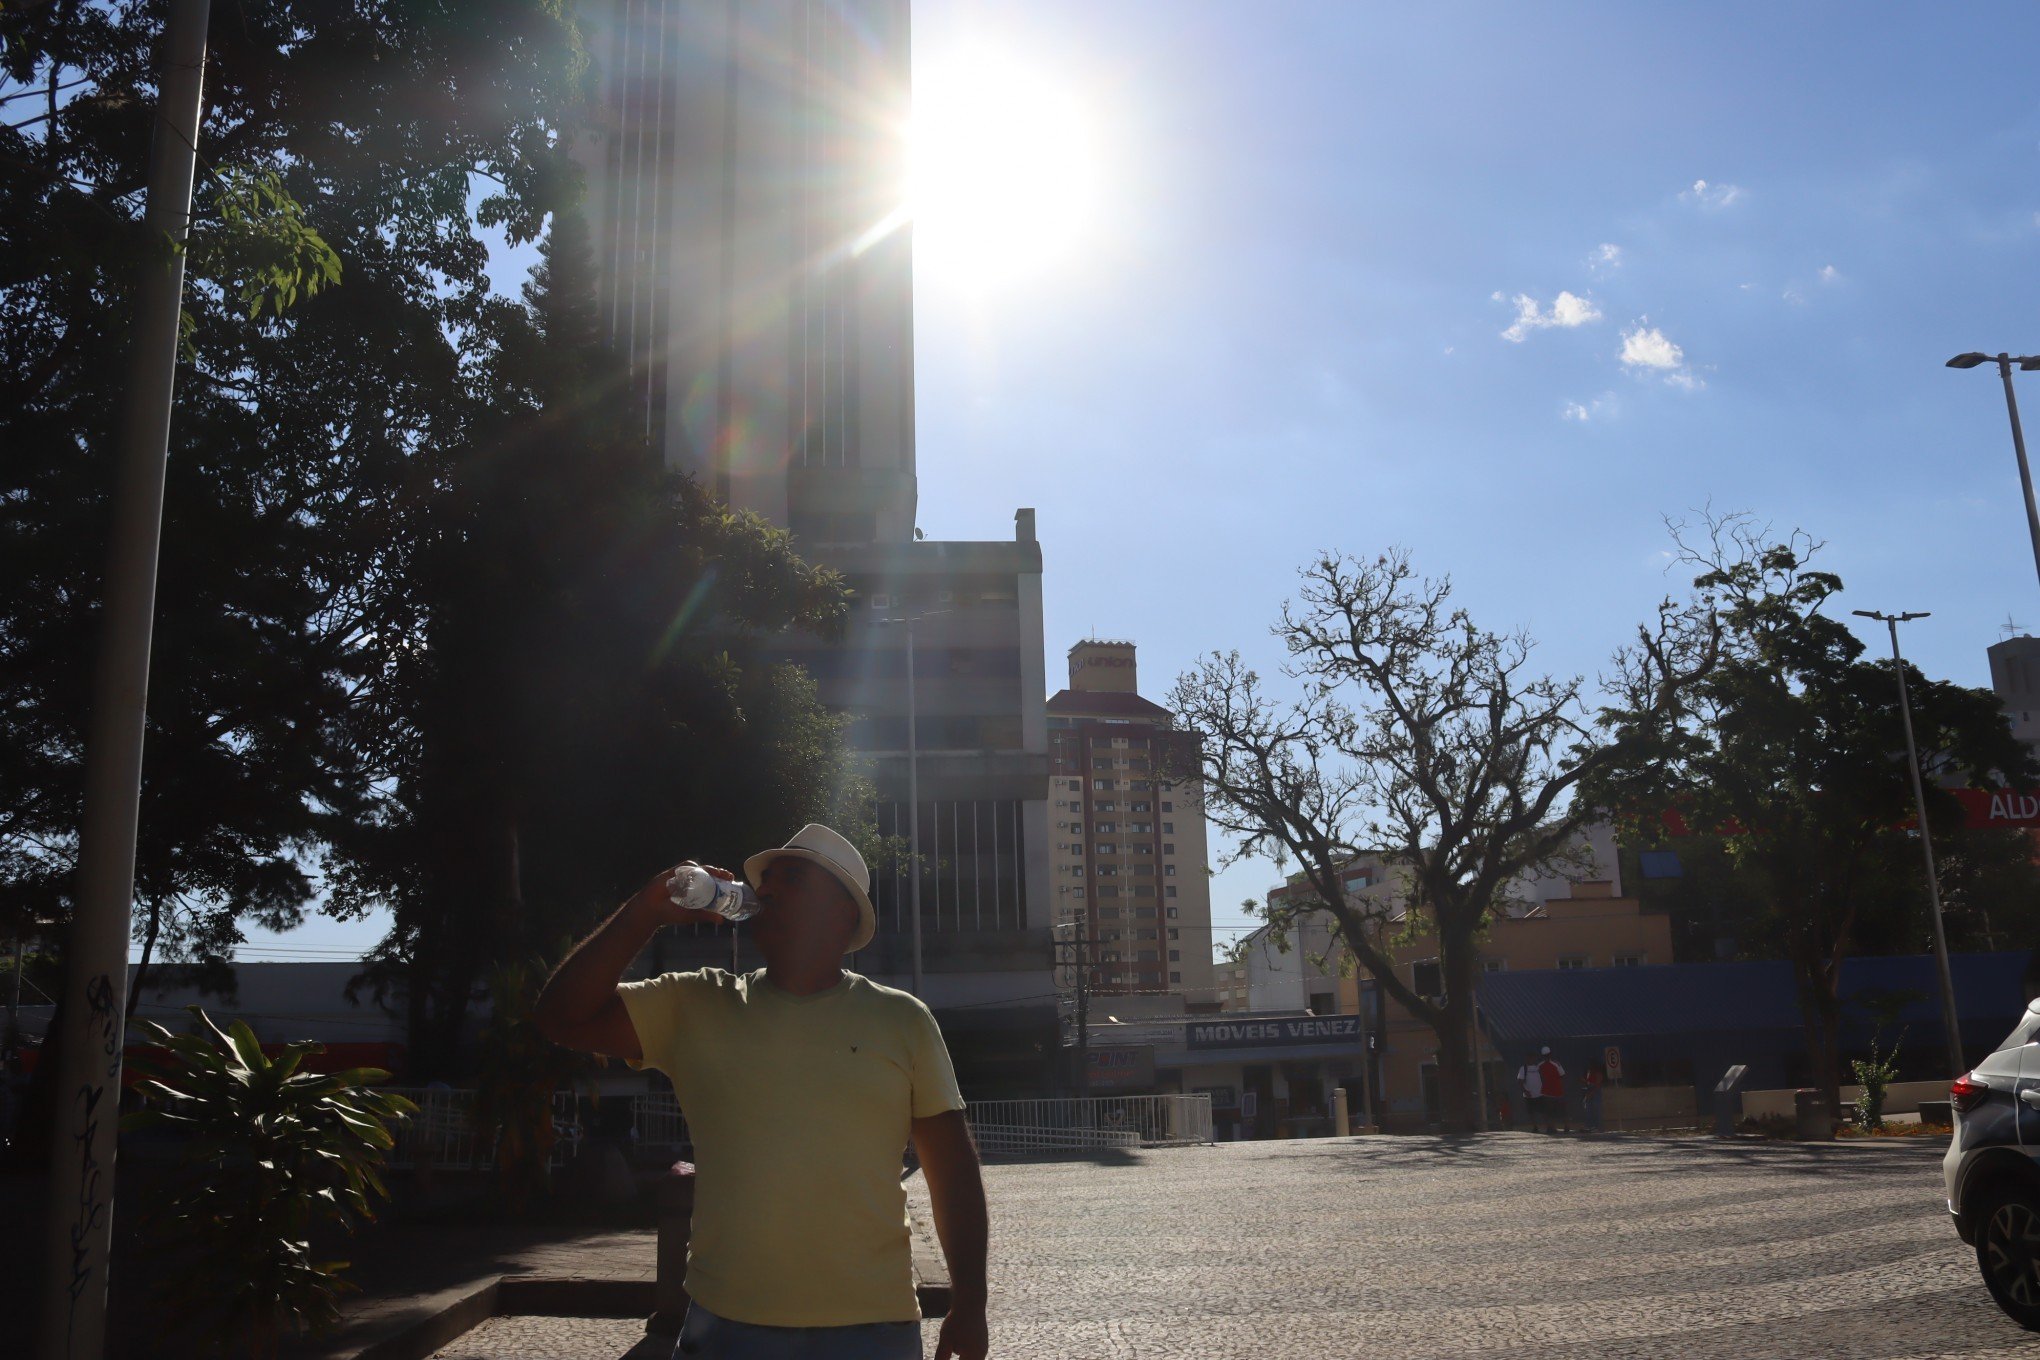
(1664, 1000)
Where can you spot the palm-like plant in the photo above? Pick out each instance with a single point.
(273, 1153)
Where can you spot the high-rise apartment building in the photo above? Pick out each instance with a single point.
(746, 183)
(1129, 856)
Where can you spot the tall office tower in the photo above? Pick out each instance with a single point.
(746, 181)
(2015, 676)
(1129, 864)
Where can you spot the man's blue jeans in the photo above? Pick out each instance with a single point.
(709, 1337)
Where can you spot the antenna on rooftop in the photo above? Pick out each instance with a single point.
(2010, 629)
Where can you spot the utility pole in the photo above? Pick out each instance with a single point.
(1950, 1021)
(89, 1047)
(1080, 967)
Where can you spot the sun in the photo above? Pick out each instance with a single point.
(1003, 171)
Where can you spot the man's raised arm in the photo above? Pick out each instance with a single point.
(579, 1007)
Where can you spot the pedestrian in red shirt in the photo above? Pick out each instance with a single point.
(1551, 1077)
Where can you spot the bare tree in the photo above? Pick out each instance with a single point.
(1420, 736)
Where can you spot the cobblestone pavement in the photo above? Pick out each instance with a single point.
(1425, 1248)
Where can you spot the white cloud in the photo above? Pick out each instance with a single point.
(1567, 310)
(1712, 195)
(1793, 295)
(1582, 412)
(1605, 259)
(1830, 274)
(1646, 347)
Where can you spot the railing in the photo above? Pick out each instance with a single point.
(656, 1121)
(442, 1135)
(1008, 1127)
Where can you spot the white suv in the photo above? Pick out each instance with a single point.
(1993, 1169)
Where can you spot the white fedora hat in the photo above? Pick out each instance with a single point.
(819, 845)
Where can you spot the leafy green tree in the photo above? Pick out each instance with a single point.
(1792, 752)
(337, 276)
(272, 1153)
(590, 692)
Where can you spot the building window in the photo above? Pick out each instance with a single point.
(1145, 956)
(1168, 806)
(1175, 956)
(1571, 961)
(1175, 977)
(1322, 1003)
(1148, 912)
(1144, 870)
(1629, 960)
(1172, 910)
(1077, 891)
(1076, 786)
(1107, 848)
(1107, 828)
(1174, 933)
(1077, 849)
(1143, 890)
(1168, 871)
(1101, 785)
(1168, 828)
(1427, 979)
(1493, 965)
(1170, 891)
(881, 602)
(1168, 847)
(1142, 849)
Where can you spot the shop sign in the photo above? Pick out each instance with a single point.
(1301, 1032)
(1120, 1068)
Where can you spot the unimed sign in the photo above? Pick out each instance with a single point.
(1302, 1032)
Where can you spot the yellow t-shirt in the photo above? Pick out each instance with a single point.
(800, 1107)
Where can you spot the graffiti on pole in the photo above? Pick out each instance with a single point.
(103, 1025)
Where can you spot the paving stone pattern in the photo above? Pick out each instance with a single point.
(1424, 1248)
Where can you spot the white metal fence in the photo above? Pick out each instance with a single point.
(443, 1134)
(1012, 1127)
(656, 1121)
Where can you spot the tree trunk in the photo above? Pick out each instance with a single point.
(1458, 1088)
(134, 996)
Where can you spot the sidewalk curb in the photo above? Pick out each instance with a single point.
(464, 1309)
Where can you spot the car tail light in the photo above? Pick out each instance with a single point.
(1967, 1093)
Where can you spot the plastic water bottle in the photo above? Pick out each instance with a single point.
(696, 888)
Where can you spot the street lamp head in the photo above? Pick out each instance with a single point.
(2030, 364)
(1867, 614)
(1968, 360)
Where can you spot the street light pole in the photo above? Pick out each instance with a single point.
(1950, 1022)
(913, 810)
(2028, 364)
(88, 1051)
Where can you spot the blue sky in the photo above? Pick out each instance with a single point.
(1320, 219)
(1285, 329)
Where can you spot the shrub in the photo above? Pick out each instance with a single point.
(1875, 1075)
(272, 1153)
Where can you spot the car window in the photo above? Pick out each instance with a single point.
(2027, 1031)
